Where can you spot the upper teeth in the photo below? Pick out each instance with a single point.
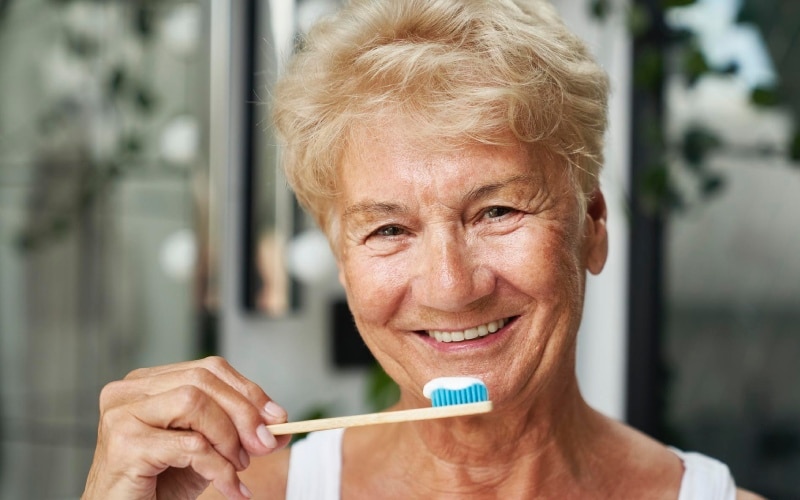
(471, 333)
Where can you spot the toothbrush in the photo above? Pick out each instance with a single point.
(450, 397)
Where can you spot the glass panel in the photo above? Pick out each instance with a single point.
(103, 217)
(733, 246)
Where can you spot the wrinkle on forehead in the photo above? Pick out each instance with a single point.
(426, 159)
(427, 154)
(390, 127)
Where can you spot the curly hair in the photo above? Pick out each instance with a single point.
(460, 70)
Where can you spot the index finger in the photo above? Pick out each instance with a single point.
(273, 412)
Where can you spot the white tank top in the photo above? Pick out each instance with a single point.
(315, 467)
(705, 478)
(315, 470)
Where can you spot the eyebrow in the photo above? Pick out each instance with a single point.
(489, 189)
(372, 208)
(377, 209)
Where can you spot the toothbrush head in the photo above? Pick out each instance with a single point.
(447, 391)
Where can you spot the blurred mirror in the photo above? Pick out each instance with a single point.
(283, 249)
(106, 258)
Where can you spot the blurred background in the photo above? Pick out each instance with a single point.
(142, 222)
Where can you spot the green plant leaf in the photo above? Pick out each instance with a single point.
(658, 194)
(144, 20)
(82, 46)
(313, 413)
(695, 64)
(712, 185)
(59, 225)
(132, 144)
(639, 20)
(765, 97)
(794, 148)
(747, 14)
(600, 9)
(382, 391)
(145, 100)
(698, 142)
(668, 4)
(25, 241)
(648, 71)
(117, 81)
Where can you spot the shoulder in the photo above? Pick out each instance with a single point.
(265, 477)
(707, 476)
(747, 495)
(633, 465)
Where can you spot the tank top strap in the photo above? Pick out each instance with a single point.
(704, 478)
(315, 467)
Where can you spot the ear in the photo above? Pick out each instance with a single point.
(595, 237)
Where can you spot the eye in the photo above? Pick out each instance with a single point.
(389, 231)
(497, 212)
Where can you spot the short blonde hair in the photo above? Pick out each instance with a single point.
(462, 70)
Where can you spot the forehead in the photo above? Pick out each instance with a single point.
(390, 151)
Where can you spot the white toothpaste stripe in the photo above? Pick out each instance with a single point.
(451, 383)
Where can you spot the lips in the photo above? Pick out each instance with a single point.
(468, 334)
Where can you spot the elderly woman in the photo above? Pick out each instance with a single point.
(450, 150)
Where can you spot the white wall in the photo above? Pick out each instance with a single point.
(290, 357)
(602, 340)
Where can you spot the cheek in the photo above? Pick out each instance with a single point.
(541, 262)
(374, 289)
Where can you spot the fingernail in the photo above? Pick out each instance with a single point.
(245, 491)
(266, 437)
(275, 411)
(244, 458)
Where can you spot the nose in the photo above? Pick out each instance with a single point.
(451, 276)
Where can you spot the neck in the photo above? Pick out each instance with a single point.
(520, 447)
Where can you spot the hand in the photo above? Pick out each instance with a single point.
(169, 431)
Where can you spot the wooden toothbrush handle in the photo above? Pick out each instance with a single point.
(387, 417)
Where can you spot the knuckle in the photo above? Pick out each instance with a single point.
(200, 376)
(114, 418)
(137, 373)
(252, 391)
(115, 429)
(115, 439)
(228, 471)
(216, 362)
(109, 394)
(194, 443)
(189, 399)
(108, 421)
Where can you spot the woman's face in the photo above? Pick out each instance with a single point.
(465, 263)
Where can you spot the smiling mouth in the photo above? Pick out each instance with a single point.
(469, 334)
